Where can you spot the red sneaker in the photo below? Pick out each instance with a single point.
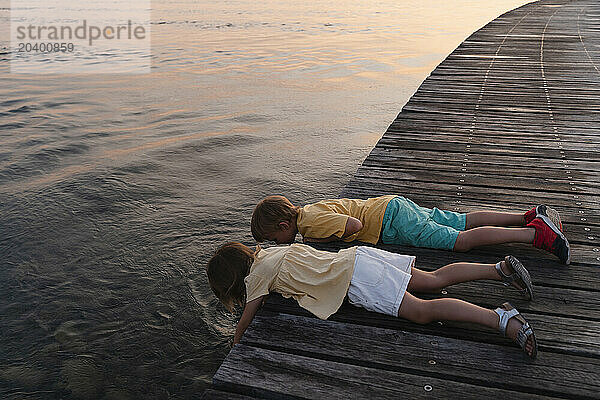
(530, 215)
(548, 237)
(550, 213)
(543, 209)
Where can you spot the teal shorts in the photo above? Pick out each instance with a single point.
(407, 223)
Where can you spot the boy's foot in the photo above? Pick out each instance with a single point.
(548, 237)
(543, 209)
(514, 273)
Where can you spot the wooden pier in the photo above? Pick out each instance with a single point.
(509, 120)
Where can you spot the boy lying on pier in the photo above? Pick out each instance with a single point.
(375, 279)
(398, 220)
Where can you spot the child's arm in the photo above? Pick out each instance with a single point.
(247, 316)
(353, 225)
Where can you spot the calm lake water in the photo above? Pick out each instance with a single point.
(115, 189)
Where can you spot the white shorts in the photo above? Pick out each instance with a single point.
(379, 280)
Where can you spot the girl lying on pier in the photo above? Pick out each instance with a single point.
(398, 220)
(372, 278)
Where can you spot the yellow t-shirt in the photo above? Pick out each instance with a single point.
(317, 279)
(329, 217)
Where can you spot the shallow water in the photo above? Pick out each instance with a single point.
(115, 189)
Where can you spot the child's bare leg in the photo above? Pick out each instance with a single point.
(487, 235)
(451, 274)
(426, 311)
(493, 218)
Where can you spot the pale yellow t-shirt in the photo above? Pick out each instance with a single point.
(317, 279)
(329, 217)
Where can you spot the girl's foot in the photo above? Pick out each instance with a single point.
(514, 326)
(514, 273)
(548, 237)
(543, 209)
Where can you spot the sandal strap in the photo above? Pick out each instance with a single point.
(504, 317)
(521, 276)
(523, 334)
(506, 279)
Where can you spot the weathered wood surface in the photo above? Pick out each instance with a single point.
(212, 394)
(392, 350)
(283, 375)
(509, 120)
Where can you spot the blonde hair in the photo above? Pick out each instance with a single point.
(268, 213)
(226, 271)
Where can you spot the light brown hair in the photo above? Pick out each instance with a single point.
(268, 213)
(226, 271)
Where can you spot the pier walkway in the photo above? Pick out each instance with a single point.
(509, 120)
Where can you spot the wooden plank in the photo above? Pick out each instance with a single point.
(481, 364)
(506, 167)
(212, 394)
(490, 166)
(550, 143)
(535, 153)
(472, 198)
(539, 106)
(476, 174)
(466, 202)
(475, 178)
(403, 128)
(525, 196)
(591, 86)
(448, 88)
(517, 165)
(278, 375)
(509, 72)
(524, 118)
(480, 174)
(544, 152)
(563, 122)
(529, 81)
(522, 111)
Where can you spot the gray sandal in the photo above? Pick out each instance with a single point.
(506, 311)
(520, 276)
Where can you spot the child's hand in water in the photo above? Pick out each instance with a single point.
(250, 310)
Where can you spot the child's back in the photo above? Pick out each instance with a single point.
(329, 217)
(317, 279)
